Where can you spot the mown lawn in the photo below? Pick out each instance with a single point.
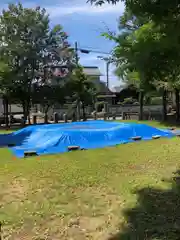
(124, 192)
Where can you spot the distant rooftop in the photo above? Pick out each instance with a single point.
(117, 89)
(92, 71)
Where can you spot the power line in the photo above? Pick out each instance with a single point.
(105, 75)
(89, 47)
(87, 50)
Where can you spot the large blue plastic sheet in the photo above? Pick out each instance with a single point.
(55, 138)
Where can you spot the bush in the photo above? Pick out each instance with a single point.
(156, 100)
(100, 106)
(129, 100)
(120, 103)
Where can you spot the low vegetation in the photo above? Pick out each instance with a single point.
(123, 192)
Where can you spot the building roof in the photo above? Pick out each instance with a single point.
(117, 89)
(103, 88)
(92, 71)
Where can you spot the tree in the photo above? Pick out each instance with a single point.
(100, 2)
(29, 47)
(49, 95)
(132, 53)
(165, 18)
(5, 89)
(81, 89)
(142, 42)
(160, 10)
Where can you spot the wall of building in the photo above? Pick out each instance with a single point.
(112, 108)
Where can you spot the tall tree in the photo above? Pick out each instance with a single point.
(132, 53)
(149, 40)
(81, 89)
(165, 17)
(29, 46)
(49, 95)
(5, 89)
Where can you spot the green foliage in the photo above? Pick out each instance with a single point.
(146, 55)
(156, 100)
(99, 106)
(129, 100)
(29, 49)
(100, 2)
(80, 87)
(133, 50)
(162, 11)
(48, 95)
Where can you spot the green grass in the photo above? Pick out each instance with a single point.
(112, 193)
(156, 124)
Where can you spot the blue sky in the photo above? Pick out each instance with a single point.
(83, 23)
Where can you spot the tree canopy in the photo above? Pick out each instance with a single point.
(33, 56)
(147, 45)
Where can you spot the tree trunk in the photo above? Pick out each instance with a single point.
(29, 118)
(83, 110)
(177, 105)
(164, 100)
(25, 113)
(78, 110)
(46, 118)
(6, 117)
(141, 101)
(29, 111)
(46, 114)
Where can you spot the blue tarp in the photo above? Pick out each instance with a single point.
(55, 138)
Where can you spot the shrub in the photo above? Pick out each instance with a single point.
(156, 100)
(100, 106)
(129, 100)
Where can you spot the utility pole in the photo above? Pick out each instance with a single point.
(107, 61)
(76, 53)
(77, 62)
(107, 73)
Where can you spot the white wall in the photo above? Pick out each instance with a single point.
(132, 108)
(112, 109)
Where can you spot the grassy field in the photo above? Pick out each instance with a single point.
(127, 192)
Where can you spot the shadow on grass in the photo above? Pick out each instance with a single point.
(156, 216)
(170, 124)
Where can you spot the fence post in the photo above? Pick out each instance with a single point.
(56, 117)
(114, 116)
(34, 119)
(95, 115)
(74, 117)
(105, 116)
(65, 118)
(123, 116)
(46, 118)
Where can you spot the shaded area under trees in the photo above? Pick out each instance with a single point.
(156, 215)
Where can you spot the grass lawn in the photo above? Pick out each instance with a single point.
(128, 192)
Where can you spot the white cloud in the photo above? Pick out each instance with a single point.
(76, 7)
(88, 58)
(62, 10)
